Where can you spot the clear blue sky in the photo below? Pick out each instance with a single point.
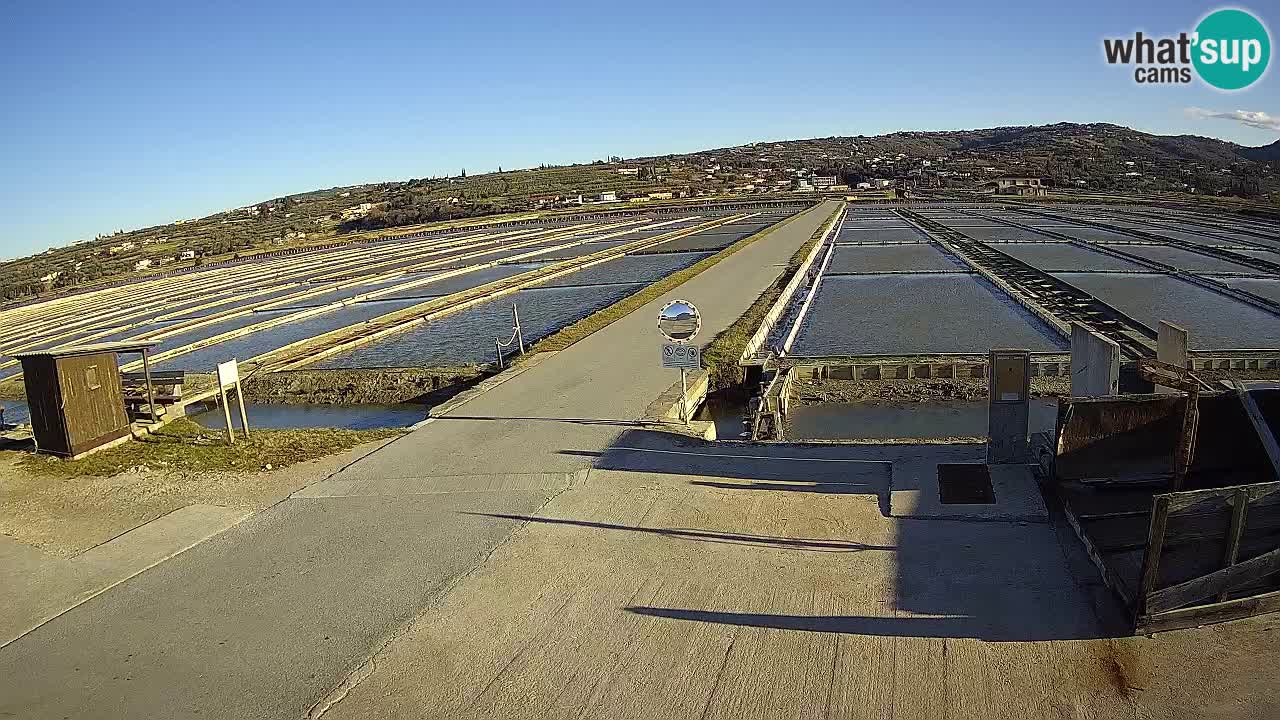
(123, 115)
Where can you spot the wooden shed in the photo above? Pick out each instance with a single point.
(76, 397)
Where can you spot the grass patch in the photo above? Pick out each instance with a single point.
(186, 445)
(723, 352)
(603, 318)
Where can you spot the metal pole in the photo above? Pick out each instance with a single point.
(498, 344)
(684, 398)
(244, 417)
(151, 393)
(515, 315)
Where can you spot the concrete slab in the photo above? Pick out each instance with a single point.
(1017, 497)
(39, 587)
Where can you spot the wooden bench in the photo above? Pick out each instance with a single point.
(166, 384)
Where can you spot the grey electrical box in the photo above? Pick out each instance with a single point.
(1009, 385)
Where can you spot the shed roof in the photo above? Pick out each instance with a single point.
(93, 349)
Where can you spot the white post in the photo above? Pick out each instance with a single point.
(226, 414)
(684, 398)
(244, 416)
(1171, 347)
(515, 317)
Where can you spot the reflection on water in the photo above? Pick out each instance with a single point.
(1214, 321)
(882, 420)
(16, 412)
(916, 314)
(728, 415)
(345, 417)
(467, 336)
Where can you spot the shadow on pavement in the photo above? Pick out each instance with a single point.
(841, 488)
(809, 467)
(956, 626)
(575, 421)
(783, 543)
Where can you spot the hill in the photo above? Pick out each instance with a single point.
(1266, 153)
(1096, 156)
(1068, 155)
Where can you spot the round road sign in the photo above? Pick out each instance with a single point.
(679, 321)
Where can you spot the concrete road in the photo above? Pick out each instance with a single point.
(267, 619)
(688, 580)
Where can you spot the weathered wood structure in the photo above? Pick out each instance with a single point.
(76, 397)
(1178, 507)
(141, 389)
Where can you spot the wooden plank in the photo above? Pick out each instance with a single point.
(1146, 479)
(226, 415)
(1207, 614)
(1109, 577)
(151, 387)
(1155, 546)
(1183, 594)
(1128, 533)
(159, 376)
(1111, 515)
(1261, 427)
(1186, 452)
(1234, 533)
(1189, 498)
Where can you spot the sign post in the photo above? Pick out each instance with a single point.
(228, 377)
(679, 322)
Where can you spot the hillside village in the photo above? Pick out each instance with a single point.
(1062, 157)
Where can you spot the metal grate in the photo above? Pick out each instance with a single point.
(965, 484)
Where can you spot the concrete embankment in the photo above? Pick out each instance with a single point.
(810, 392)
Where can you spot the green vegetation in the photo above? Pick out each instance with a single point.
(429, 200)
(183, 445)
(1084, 158)
(723, 352)
(603, 318)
